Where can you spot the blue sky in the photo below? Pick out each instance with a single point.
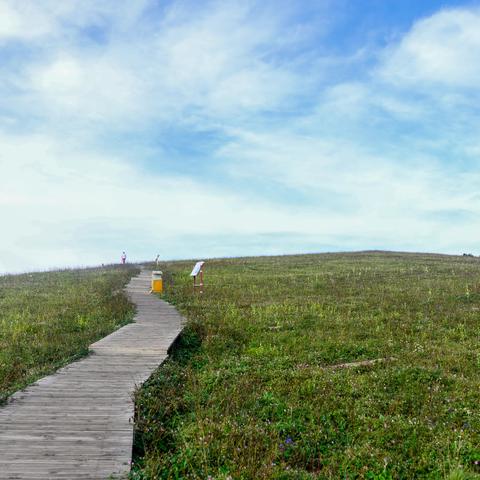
(221, 128)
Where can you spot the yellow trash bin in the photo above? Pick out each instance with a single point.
(157, 282)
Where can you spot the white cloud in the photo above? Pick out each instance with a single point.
(397, 196)
(35, 21)
(368, 183)
(355, 100)
(86, 88)
(53, 190)
(213, 63)
(442, 50)
(25, 22)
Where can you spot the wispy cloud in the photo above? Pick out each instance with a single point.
(441, 50)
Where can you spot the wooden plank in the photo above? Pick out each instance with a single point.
(77, 423)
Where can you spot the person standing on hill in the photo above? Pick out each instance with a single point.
(157, 260)
(124, 258)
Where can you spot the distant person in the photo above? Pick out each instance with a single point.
(157, 260)
(124, 258)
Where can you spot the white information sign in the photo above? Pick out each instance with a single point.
(196, 269)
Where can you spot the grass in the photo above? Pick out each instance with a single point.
(252, 392)
(49, 319)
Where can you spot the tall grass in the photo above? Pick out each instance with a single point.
(254, 389)
(49, 319)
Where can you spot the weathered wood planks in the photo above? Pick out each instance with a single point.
(77, 423)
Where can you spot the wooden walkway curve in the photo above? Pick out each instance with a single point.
(77, 423)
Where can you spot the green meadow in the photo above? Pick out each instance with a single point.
(271, 380)
(48, 319)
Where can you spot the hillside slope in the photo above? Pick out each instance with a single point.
(257, 388)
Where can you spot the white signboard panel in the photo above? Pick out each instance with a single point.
(196, 269)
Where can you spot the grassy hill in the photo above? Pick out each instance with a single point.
(257, 387)
(49, 319)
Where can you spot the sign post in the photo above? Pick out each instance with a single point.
(198, 272)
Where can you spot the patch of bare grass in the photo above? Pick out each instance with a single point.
(49, 319)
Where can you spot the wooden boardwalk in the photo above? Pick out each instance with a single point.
(77, 423)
